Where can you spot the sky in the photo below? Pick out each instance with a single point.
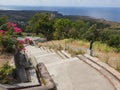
(67, 3)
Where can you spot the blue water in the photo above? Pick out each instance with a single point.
(107, 13)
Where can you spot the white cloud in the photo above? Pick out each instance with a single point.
(106, 3)
(61, 2)
(19, 2)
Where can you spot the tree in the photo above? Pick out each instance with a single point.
(41, 23)
(114, 40)
(80, 27)
(2, 20)
(62, 27)
(3, 23)
(92, 33)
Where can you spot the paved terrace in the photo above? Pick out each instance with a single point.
(69, 73)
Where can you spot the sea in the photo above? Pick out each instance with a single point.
(107, 13)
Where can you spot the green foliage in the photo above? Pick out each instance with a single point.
(62, 28)
(92, 33)
(102, 47)
(110, 37)
(8, 35)
(5, 71)
(79, 29)
(8, 44)
(114, 40)
(41, 23)
(2, 21)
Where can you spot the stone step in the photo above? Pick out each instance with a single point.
(50, 58)
(51, 50)
(66, 54)
(44, 55)
(61, 55)
(48, 50)
(42, 49)
(61, 62)
(35, 49)
(35, 52)
(39, 53)
(30, 47)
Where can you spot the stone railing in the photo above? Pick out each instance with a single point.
(46, 82)
(45, 78)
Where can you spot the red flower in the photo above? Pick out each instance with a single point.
(2, 31)
(21, 41)
(24, 49)
(9, 24)
(13, 25)
(17, 30)
(27, 39)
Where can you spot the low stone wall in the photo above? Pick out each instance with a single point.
(46, 82)
(3, 88)
(45, 77)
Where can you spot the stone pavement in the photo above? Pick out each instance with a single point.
(69, 73)
(77, 75)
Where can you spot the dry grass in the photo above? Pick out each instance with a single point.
(77, 43)
(5, 57)
(111, 58)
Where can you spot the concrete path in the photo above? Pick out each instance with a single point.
(77, 75)
(70, 73)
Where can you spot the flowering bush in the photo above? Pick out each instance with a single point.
(9, 25)
(17, 30)
(20, 44)
(2, 32)
(27, 40)
(8, 41)
(8, 36)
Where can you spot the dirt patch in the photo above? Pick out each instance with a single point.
(5, 57)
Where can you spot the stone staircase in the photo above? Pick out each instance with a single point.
(70, 73)
(45, 55)
(50, 67)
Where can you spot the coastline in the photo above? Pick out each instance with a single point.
(95, 12)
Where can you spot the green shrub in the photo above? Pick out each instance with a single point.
(8, 44)
(5, 71)
(102, 47)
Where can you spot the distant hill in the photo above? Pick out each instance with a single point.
(22, 17)
(111, 25)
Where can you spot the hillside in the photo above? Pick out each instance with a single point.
(21, 17)
(110, 24)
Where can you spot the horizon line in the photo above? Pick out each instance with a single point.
(64, 6)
